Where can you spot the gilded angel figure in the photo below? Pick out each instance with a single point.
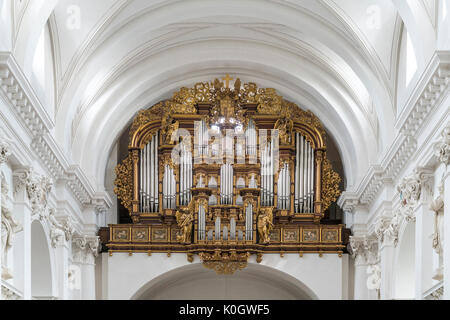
(265, 224)
(185, 217)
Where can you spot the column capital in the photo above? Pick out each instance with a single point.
(416, 188)
(85, 249)
(387, 228)
(37, 186)
(364, 249)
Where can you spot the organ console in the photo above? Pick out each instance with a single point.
(226, 173)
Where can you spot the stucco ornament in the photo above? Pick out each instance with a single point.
(410, 190)
(442, 148)
(59, 231)
(74, 277)
(38, 188)
(9, 227)
(414, 189)
(374, 277)
(85, 249)
(437, 206)
(4, 151)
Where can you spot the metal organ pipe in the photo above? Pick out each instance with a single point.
(148, 177)
(249, 222)
(304, 176)
(201, 223)
(311, 174)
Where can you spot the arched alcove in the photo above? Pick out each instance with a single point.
(255, 282)
(404, 268)
(41, 269)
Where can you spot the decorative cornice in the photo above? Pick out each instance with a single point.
(435, 293)
(9, 292)
(433, 85)
(47, 150)
(16, 88)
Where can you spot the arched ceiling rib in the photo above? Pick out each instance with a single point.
(320, 50)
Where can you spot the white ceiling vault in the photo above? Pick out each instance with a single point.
(337, 58)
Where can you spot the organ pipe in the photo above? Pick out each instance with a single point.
(249, 222)
(226, 184)
(185, 176)
(148, 177)
(304, 176)
(284, 183)
(201, 222)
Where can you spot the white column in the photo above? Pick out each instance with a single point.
(386, 263)
(442, 153)
(22, 260)
(360, 262)
(387, 238)
(85, 250)
(4, 154)
(424, 251)
(360, 291)
(447, 235)
(62, 269)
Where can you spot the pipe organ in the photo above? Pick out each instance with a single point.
(304, 175)
(248, 175)
(149, 193)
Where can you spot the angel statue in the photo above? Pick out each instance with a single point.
(169, 132)
(9, 226)
(185, 217)
(285, 127)
(265, 224)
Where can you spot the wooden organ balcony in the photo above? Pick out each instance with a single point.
(225, 206)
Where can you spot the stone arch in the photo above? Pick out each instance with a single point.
(43, 282)
(404, 266)
(196, 282)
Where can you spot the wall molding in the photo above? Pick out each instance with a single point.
(16, 90)
(427, 95)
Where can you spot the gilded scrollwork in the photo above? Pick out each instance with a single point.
(330, 184)
(124, 182)
(224, 262)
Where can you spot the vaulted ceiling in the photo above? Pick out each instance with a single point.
(337, 58)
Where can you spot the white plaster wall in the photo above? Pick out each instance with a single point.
(125, 275)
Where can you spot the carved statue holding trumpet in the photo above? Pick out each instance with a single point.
(265, 224)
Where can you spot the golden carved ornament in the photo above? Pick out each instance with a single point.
(223, 262)
(330, 184)
(185, 100)
(285, 127)
(124, 182)
(157, 112)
